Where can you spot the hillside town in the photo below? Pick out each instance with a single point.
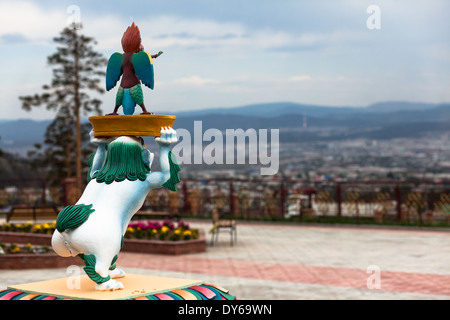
(425, 158)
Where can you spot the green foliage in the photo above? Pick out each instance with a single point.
(14, 167)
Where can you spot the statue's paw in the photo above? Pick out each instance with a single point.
(116, 273)
(168, 136)
(99, 140)
(110, 285)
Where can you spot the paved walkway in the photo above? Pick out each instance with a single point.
(273, 261)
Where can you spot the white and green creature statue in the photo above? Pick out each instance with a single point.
(120, 179)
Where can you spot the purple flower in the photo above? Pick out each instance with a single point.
(150, 225)
(183, 225)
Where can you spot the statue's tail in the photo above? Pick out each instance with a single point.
(128, 103)
(174, 179)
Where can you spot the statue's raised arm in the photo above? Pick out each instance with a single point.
(97, 160)
(168, 177)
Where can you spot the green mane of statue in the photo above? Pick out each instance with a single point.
(72, 217)
(123, 161)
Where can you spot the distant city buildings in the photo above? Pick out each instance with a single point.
(425, 158)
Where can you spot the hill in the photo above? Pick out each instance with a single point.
(384, 120)
(268, 110)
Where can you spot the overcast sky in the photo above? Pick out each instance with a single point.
(232, 53)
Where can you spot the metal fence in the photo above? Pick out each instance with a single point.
(399, 201)
(422, 202)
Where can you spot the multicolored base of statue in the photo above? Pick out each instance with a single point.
(119, 180)
(137, 287)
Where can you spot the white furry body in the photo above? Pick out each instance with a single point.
(114, 204)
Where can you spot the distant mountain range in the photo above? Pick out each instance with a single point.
(268, 110)
(384, 120)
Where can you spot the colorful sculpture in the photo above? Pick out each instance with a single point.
(119, 181)
(134, 65)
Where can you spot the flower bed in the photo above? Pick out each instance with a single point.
(29, 227)
(13, 248)
(26, 256)
(156, 231)
(165, 231)
(163, 238)
(141, 236)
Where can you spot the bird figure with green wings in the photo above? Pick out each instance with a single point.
(134, 66)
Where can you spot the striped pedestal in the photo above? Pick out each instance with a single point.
(137, 287)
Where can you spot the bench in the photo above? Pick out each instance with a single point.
(32, 213)
(159, 214)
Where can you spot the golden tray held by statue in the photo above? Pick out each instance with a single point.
(131, 125)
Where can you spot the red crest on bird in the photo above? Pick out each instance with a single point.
(131, 40)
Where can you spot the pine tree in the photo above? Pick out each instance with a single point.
(56, 154)
(77, 69)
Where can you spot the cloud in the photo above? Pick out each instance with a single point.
(302, 51)
(167, 31)
(163, 31)
(300, 78)
(11, 38)
(196, 81)
(26, 20)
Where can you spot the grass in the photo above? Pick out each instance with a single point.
(336, 220)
